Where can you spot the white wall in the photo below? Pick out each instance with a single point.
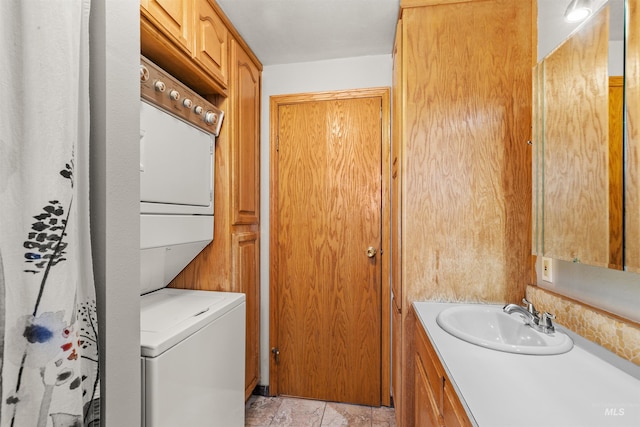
(337, 74)
(614, 291)
(115, 96)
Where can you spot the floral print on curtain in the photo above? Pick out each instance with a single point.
(48, 321)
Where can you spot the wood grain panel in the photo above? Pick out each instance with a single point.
(426, 414)
(396, 175)
(246, 279)
(404, 4)
(632, 177)
(537, 156)
(210, 41)
(467, 167)
(211, 269)
(397, 370)
(453, 411)
(329, 206)
(246, 151)
(576, 191)
(616, 170)
(173, 17)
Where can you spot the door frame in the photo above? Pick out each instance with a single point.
(385, 245)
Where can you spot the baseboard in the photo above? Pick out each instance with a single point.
(261, 390)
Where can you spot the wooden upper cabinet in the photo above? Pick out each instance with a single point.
(245, 174)
(172, 16)
(211, 41)
(188, 39)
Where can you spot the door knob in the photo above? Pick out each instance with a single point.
(371, 251)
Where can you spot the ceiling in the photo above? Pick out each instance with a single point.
(553, 30)
(287, 31)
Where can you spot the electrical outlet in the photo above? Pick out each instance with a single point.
(547, 269)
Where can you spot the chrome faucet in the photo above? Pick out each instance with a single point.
(531, 316)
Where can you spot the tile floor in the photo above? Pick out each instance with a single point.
(263, 411)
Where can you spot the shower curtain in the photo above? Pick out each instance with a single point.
(48, 322)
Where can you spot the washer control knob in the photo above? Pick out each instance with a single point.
(197, 109)
(210, 118)
(174, 94)
(159, 86)
(144, 73)
(187, 103)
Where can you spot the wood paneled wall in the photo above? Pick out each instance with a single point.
(461, 165)
(466, 163)
(632, 179)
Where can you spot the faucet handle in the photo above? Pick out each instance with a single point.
(546, 322)
(530, 307)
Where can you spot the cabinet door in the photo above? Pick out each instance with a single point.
(246, 279)
(245, 176)
(426, 410)
(211, 37)
(173, 16)
(453, 412)
(396, 357)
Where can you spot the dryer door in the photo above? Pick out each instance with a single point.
(176, 164)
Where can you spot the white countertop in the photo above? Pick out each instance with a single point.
(588, 386)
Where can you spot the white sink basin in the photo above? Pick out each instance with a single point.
(488, 326)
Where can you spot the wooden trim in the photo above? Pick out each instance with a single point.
(274, 103)
(534, 32)
(422, 3)
(385, 386)
(616, 81)
(273, 244)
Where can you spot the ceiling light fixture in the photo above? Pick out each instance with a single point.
(577, 10)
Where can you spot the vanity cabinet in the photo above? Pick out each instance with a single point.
(195, 42)
(435, 400)
(461, 166)
(187, 38)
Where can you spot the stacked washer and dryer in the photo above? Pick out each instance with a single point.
(192, 342)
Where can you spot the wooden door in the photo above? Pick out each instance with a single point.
(326, 214)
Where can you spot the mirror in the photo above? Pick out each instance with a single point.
(578, 135)
(632, 166)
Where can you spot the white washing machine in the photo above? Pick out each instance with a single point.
(192, 345)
